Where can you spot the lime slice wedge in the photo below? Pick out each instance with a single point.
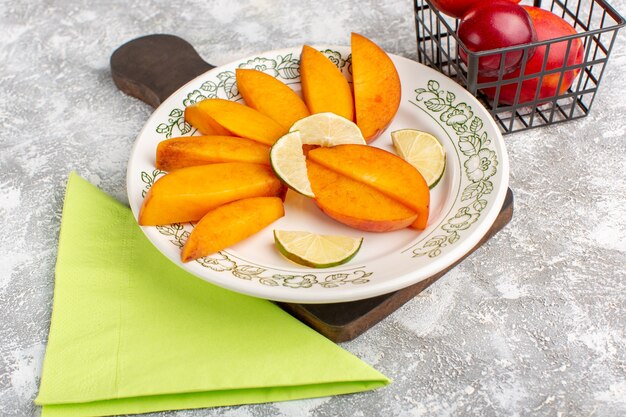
(316, 251)
(423, 151)
(328, 129)
(289, 163)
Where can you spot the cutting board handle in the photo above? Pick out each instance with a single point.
(152, 67)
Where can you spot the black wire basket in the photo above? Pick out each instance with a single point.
(515, 108)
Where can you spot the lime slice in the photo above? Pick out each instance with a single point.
(317, 251)
(328, 129)
(423, 151)
(289, 163)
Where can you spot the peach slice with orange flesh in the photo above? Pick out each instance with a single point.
(238, 119)
(189, 151)
(195, 116)
(187, 194)
(231, 223)
(324, 87)
(382, 170)
(376, 84)
(356, 204)
(271, 97)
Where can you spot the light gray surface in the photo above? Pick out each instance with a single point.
(531, 324)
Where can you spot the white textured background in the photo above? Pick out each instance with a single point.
(533, 323)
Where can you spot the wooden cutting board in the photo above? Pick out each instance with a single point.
(153, 67)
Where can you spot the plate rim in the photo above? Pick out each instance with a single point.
(356, 292)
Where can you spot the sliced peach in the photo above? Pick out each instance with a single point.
(187, 194)
(382, 170)
(356, 204)
(189, 151)
(271, 97)
(376, 87)
(201, 121)
(238, 119)
(324, 87)
(231, 223)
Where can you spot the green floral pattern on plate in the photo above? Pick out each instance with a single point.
(479, 165)
(285, 67)
(223, 262)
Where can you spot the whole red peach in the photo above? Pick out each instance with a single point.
(547, 26)
(492, 25)
(457, 8)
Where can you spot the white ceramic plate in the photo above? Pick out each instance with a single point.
(464, 204)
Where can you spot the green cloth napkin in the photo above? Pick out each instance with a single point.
(132, 333)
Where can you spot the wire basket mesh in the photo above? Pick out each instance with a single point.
(510, 97)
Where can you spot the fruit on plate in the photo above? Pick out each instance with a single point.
(187, 194)
(377, 88)
(189, 151)
(324, 87)
(356, 204)
(271, 97)
(548, 26)
(289, 164)
(231, 179)
(457, 8)
(382, 170)
(492, 25)
(195, 116)
(237, 119)
(328, 129)
(287, 156)
(316, 251)
(423, 151)
(230, 223)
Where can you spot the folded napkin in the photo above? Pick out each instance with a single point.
(132, 333)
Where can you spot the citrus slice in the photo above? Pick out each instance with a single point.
(317, 251)
(328, 129)
(423, 151)
(289, 163)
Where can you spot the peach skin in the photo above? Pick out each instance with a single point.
(187, 194)
(271, 97)
(382, 170)
(324, 87)
(231, 223)
(189, 151)
(377, 89)
(238, 119)
(356, 204)
(548, 26)
(201, 121)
